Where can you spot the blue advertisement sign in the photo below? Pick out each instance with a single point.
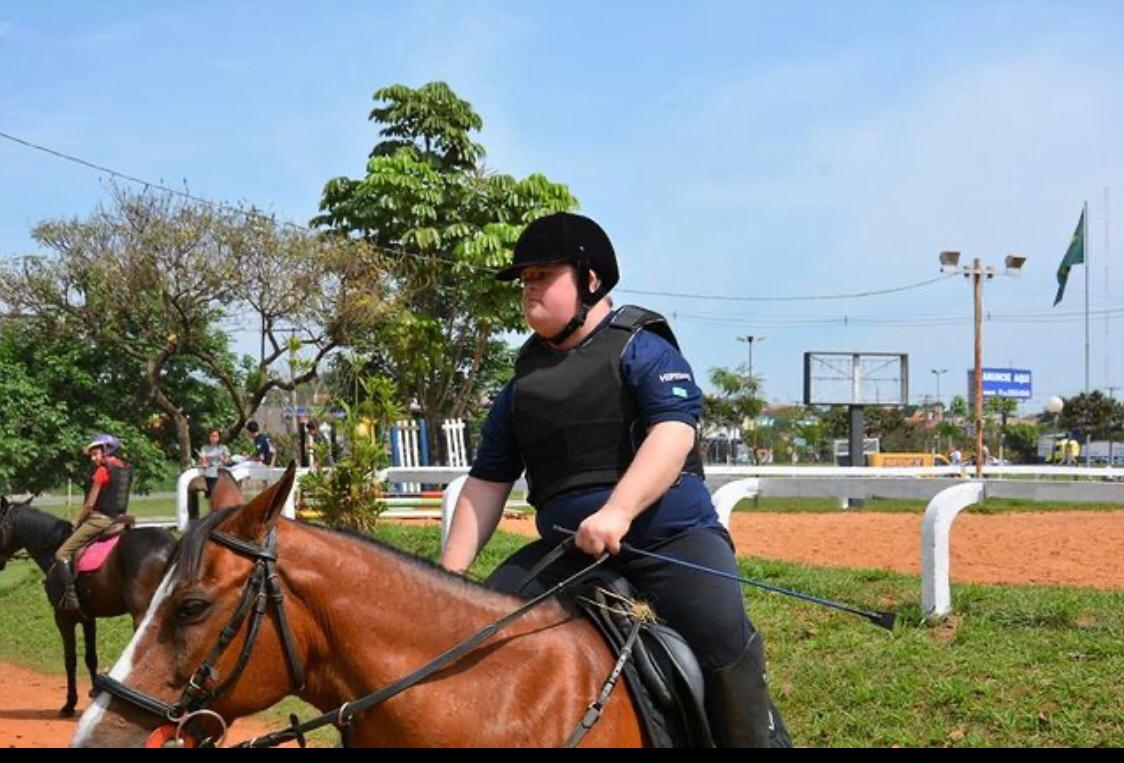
(1002, 382)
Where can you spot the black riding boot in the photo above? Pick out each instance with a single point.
(68, 602)
(737, 702)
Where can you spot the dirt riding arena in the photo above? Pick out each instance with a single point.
(1078, 548)
(29, 706)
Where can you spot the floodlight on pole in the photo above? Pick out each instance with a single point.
(937, 375)
(950, 260)
(749, 340)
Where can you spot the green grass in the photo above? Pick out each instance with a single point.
(903, 506)
(1015, 666)
(139, 506)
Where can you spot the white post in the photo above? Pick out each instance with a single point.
(936, 596)
(181, 497)
(239, 472)
(449, 504)
(726, 497)
(446, 429)
(415, 452)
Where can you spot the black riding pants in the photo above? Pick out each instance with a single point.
(706, 610)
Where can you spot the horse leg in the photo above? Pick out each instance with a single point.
(70, 652)
(90, 635)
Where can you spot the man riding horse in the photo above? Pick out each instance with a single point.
(603, 415)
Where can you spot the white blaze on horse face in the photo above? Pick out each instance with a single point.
(123, 668)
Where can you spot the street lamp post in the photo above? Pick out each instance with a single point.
(749, 340)
(937, 375)
(977, 272)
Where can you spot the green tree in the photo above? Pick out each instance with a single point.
(735, 403)
(998, 408)
(1093, 414)
(896, 433)
(837, 422)
(949, 435)
(443, 221)
(814, 433)
(350, 494)
(958, 408)
(55, 394)
(1022, 442)
(157, 281)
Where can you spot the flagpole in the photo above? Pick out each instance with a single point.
(1085, 252)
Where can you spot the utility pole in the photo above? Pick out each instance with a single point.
(978, 273)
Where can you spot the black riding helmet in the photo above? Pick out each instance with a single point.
(566, 237)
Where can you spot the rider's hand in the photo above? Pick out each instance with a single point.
(603, 531)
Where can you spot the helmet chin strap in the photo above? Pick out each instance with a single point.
(588, 298)
(574, 324)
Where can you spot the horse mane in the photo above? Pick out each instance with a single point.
(189, 554)
(38, 529)
(419, 562)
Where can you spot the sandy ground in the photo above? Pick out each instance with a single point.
(29, 704)
(1077, 548)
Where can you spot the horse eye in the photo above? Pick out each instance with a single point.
(192, 609)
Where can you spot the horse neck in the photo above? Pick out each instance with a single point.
(376, 616)
(35, 530)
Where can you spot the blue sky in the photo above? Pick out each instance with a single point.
(741, 149)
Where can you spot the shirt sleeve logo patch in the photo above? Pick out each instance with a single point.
(679, 392)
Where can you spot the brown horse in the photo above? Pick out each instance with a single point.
(361, 615)
(124, 584)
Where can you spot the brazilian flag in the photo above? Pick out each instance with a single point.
(1075, 255)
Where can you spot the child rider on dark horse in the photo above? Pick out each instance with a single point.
(603, 414)
(106, 500)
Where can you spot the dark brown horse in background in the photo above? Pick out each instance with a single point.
(361, 615)
(123, 585)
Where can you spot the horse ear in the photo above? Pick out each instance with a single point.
(226, 492)
(258, 515)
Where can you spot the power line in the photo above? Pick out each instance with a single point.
(843, 321)
(433, 258)
(810, 298)
(252, 213)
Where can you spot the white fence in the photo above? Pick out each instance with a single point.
(945, 487)
(454, 442)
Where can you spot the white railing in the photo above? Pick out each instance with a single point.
(945, 488)
(965, 471)
(240, 472)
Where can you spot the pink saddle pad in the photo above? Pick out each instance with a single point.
(94, 555)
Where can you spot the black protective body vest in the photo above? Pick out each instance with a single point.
(575, 420)
(113, 500)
